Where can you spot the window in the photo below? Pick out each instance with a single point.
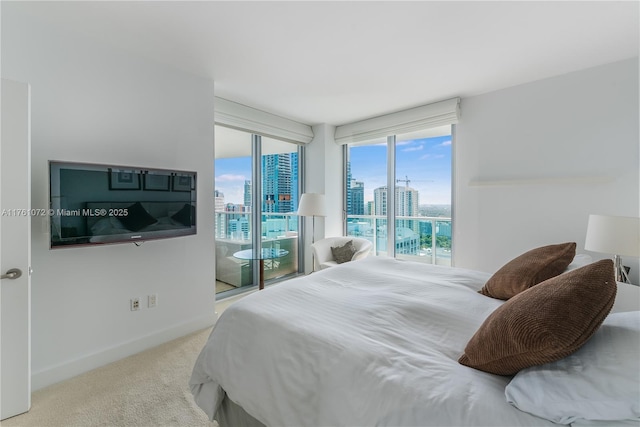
(366, 181)
(421, 196)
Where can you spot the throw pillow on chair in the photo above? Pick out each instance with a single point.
(343, 253)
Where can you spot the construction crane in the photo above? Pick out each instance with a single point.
(406, 181)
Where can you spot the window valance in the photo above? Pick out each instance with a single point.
(237, 116)
(418, 118)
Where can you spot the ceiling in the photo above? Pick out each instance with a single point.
(338, 62)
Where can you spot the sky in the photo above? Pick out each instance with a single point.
(425, 162)
(230, 175)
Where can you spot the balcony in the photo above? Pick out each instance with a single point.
(233, 234)
(418, 238)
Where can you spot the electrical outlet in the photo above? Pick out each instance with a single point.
(135, 304)
(153, 300)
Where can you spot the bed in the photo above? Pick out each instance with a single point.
(369, 343)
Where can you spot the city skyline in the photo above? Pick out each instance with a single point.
(425, 162)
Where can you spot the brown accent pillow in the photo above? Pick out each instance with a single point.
(343, 253)
(544, 323)
(529, 269)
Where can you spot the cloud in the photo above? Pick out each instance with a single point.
(230, 177)
(418, 148)
(432, 156)
(444, 144)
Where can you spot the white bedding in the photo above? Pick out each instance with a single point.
(368, 343)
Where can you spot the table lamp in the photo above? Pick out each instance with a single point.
(618, 235)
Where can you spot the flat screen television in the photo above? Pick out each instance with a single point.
(93, 204)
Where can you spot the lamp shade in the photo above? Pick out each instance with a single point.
(312, 204)
(618, 235)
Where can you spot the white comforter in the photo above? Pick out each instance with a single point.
(368, 343)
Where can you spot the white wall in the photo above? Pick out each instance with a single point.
(94, 104)
(324, 174)
(547, 154)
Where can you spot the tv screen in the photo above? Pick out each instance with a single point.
(91, 204)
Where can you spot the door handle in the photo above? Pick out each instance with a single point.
(12, 273)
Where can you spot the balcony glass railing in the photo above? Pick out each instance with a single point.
(423, 239)
(418, 238)
(233, 234)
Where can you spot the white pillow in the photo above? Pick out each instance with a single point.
(579, 260)
(600, 381)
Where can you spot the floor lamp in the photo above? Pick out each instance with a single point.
(618, 235)
(312, 204)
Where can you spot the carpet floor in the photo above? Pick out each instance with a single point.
(147, 389)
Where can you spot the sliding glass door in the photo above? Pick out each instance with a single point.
(256, 188)
(280, 169)
(233, 225)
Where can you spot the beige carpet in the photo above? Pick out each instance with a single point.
(147, 389)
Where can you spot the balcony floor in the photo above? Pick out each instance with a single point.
(222, 286)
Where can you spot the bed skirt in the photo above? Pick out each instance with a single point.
(231, 414)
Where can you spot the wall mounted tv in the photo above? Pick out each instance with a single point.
(91, 204)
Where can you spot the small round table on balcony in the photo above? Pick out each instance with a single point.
(265, 253)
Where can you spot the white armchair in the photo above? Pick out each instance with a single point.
(323, 257)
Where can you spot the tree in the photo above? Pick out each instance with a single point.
(443, 242)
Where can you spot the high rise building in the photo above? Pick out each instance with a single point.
(280, 192)
(407, 205)
(247, 193)
(407, 201)
(370, 208)
(220, 222)
(349, 195)
(277, 183)
(295, 194)
(380, 201)
(355, 194)
(237, 220)
(357, 198)
(219, 201)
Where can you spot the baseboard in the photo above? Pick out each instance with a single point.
(79, 366)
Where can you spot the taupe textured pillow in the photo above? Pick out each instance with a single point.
(529, 269)
(544, 323)
(343, 253)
